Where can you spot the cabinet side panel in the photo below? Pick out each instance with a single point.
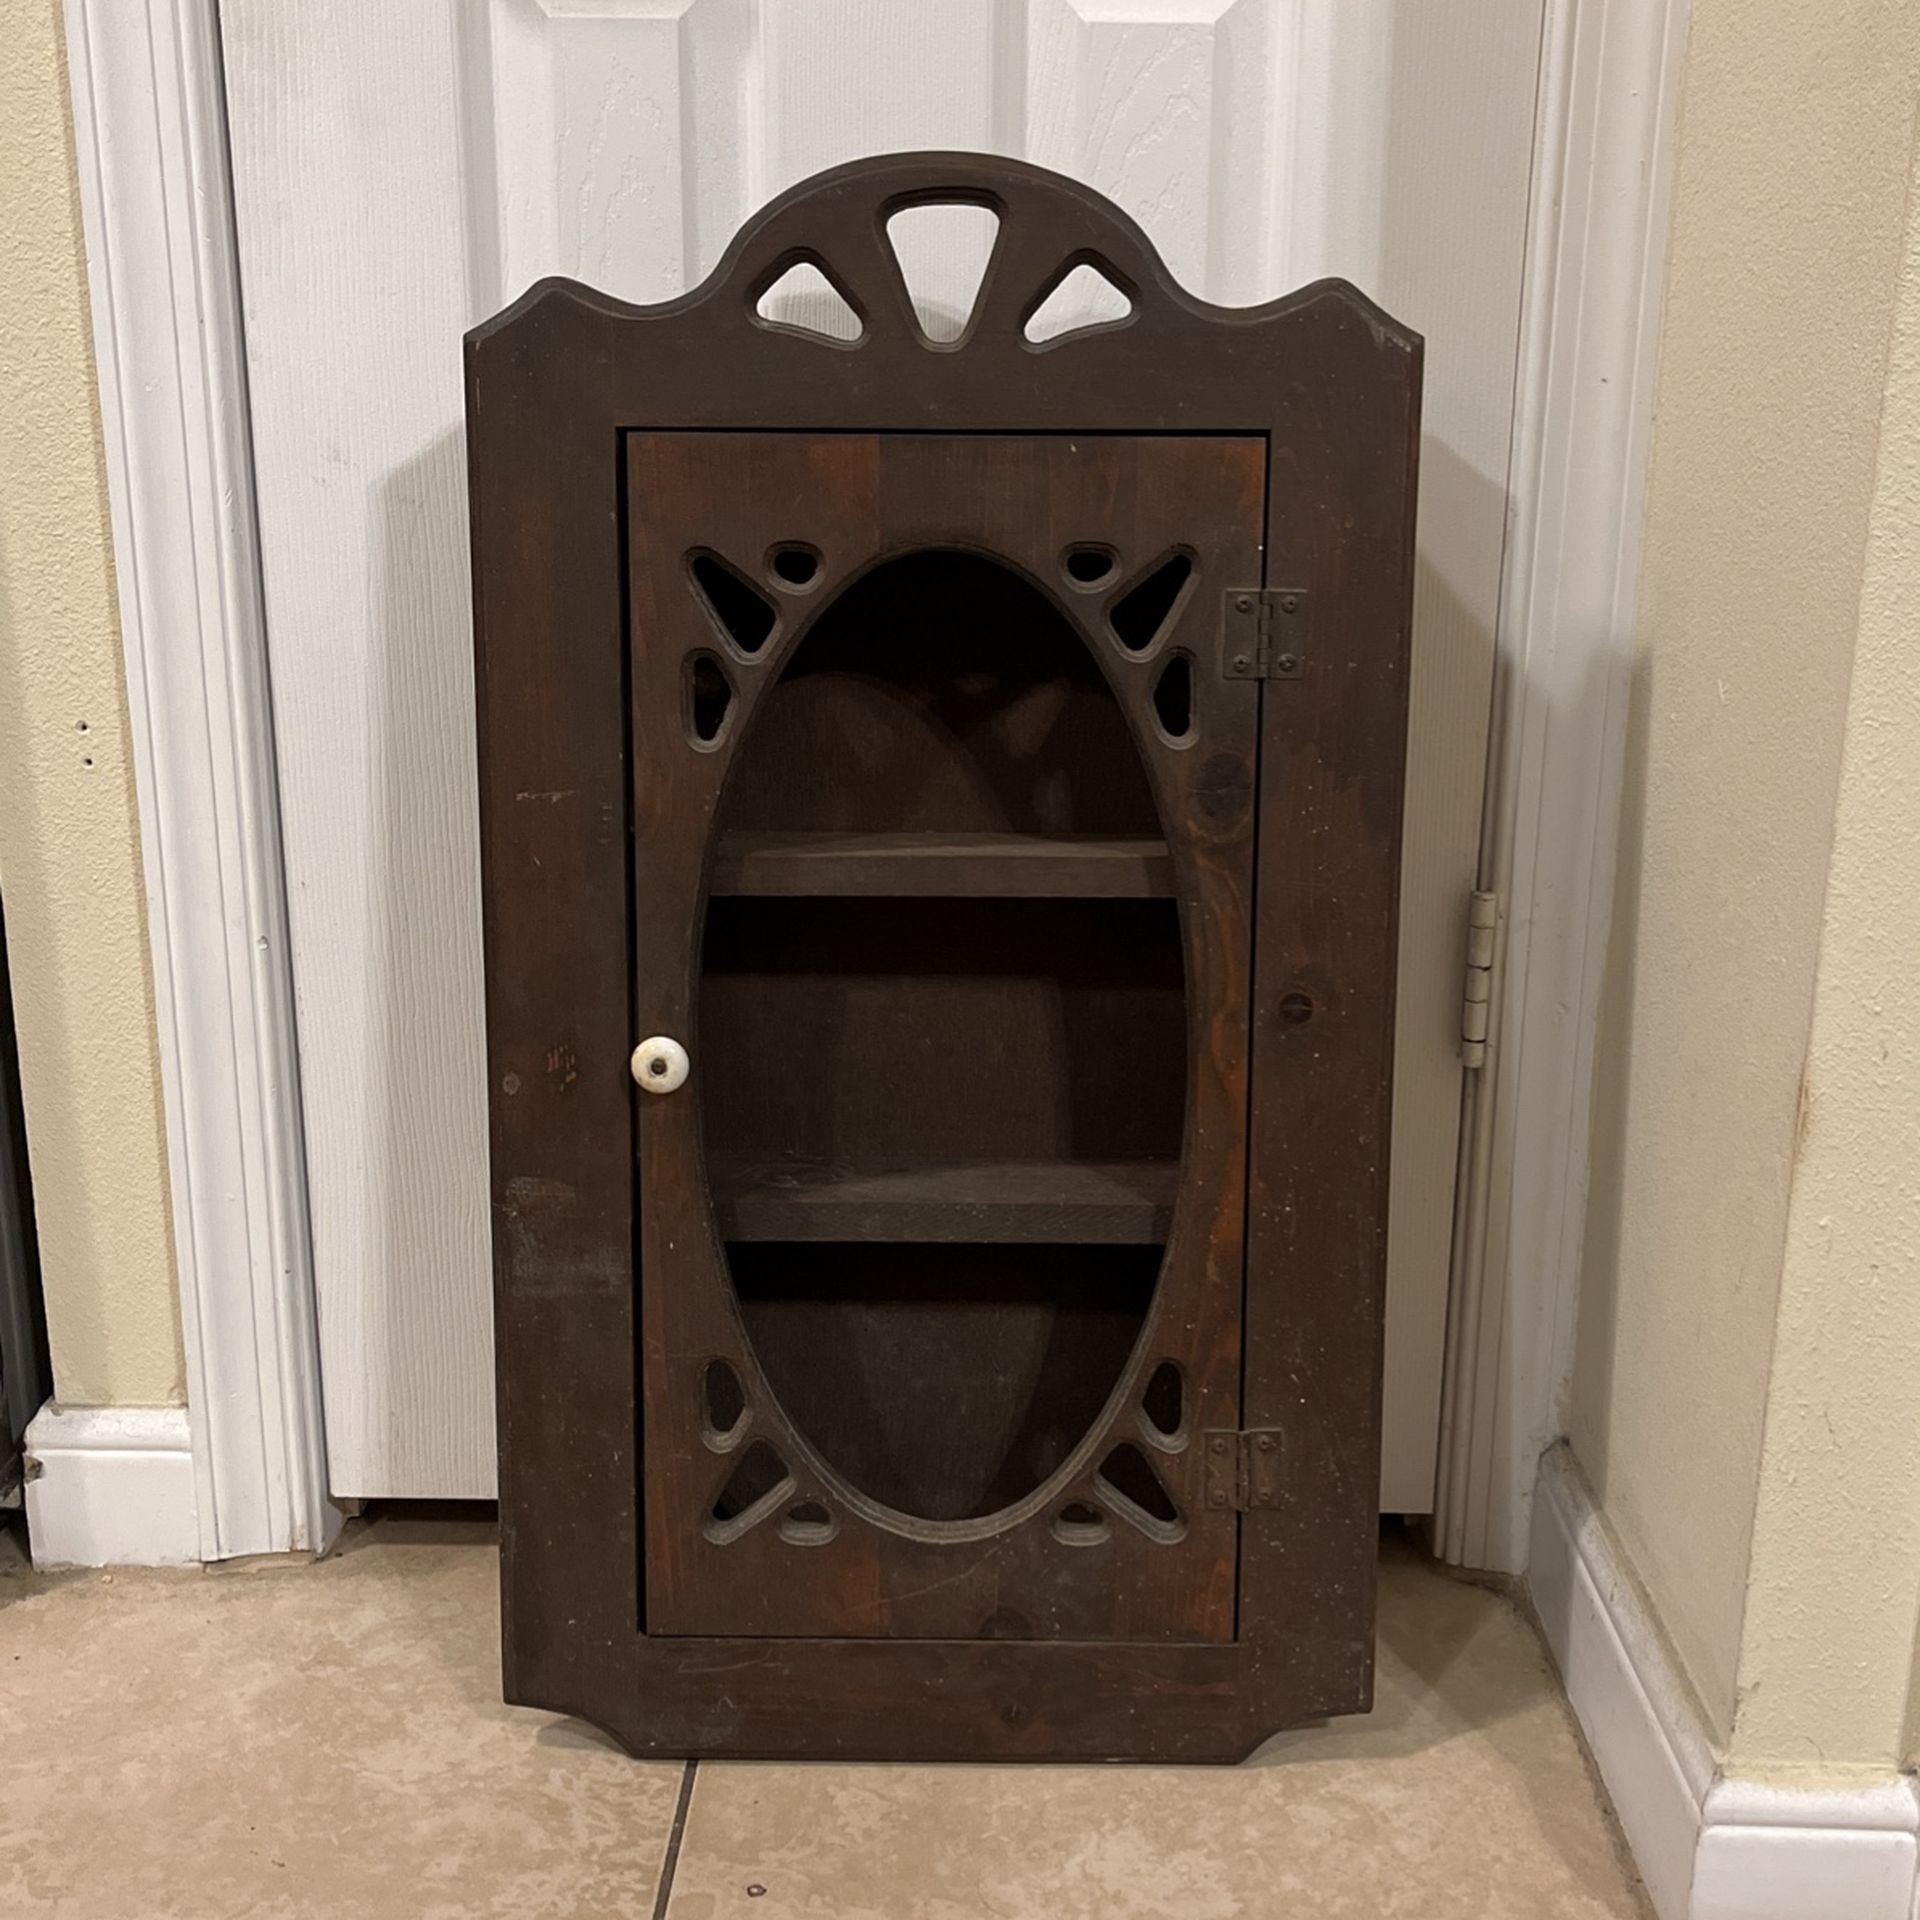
(1333, 754)
(550, 672)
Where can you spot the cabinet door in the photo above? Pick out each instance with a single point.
(942, 871)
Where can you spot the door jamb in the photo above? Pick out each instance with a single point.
(1593, 285)
(150, 135)
(156, 193)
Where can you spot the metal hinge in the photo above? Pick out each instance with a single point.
(1263, 633)
(1243, 1469)
(1483, 917)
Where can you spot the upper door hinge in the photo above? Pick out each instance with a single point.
(1483, 919)
(1243, 1469)
(1263, 633)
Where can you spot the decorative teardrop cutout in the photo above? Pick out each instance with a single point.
(726, 1406)
(795, 564)
(752, 1490)
(1079, 1525)
(805, 300)
(739, 610)
(1082, 300)
(943, 250)
(1128, 1484)
(808, 1525)
(709, 699)
(1163, 1407)
(1173, 698)
(1089, 565)
(1147, 608)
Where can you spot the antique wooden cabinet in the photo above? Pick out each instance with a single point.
(941, 809)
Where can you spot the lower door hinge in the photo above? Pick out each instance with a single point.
(1243, 1469)
(1263, 633)
(1483, 917)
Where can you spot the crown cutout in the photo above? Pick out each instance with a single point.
(805, 300)
(1082, 300)
(942, 249)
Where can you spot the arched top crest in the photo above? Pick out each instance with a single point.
(811, 312)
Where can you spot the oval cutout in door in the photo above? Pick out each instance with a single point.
(943, 1132)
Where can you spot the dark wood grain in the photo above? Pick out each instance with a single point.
(1076, 1203)
(873, 1031)
(1327, 386)
(1333, 755)
(943, 866)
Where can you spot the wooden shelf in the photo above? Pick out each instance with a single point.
(1068, 1202)
(942, 865)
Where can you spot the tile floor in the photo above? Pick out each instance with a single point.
(271, 1739)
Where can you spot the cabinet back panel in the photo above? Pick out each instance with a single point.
(877, 1031)
(943, 1381)
(940, 691)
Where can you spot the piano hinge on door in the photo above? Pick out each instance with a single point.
(1243, 1469)
(1263, 633)
(1483, 918)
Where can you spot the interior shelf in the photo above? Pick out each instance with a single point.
(1080, 1203)
(943, 865)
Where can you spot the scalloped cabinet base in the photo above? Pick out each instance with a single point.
(1709, 1847)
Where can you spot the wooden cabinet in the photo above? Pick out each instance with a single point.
(940, 810)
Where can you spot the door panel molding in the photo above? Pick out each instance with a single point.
(150, 134)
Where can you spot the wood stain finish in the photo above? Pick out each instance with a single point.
(858, 713)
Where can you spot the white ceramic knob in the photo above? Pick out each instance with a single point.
(660, 1064)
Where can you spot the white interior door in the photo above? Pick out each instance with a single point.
(404, 171)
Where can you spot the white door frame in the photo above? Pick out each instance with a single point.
(157, 199)
(1590, 324)
(151, 139)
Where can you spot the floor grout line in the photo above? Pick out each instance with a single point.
(672, 1861)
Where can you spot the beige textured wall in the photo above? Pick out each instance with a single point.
(1794, 138)
(69, 848)
(1833, 1590)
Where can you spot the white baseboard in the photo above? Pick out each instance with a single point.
(1708, 1846)
(111, 1486)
